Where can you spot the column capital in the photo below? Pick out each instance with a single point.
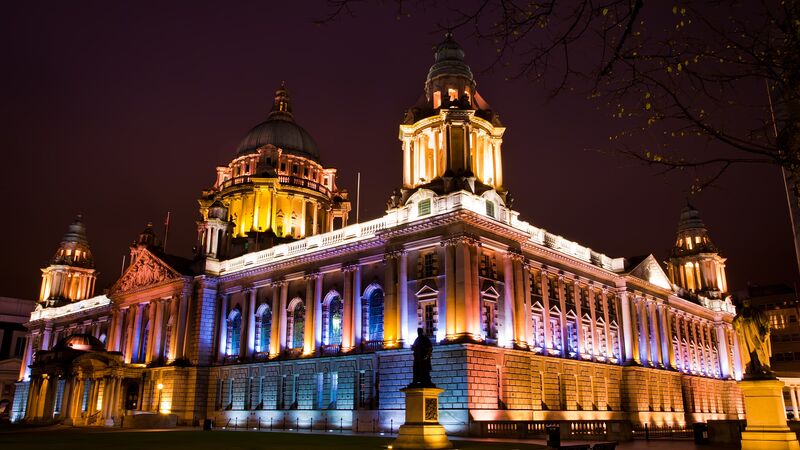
(515, 254)
(309, 276)
(353, 266)
(394, 253)
(278, 283)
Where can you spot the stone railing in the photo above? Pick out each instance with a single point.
(411, 213)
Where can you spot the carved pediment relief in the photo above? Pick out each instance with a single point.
(148, 270)
(650, 271)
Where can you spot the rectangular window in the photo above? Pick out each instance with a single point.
(489, 208)
(429, 268)
(552, 289)
(295, 169)
(283, 167)
(489, 328)
(305, 172)
(424, 207)
(429, 319)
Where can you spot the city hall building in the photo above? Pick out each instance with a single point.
(290, 315)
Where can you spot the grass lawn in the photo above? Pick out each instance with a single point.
(76, 438)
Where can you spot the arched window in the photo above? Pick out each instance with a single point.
(374, 296)
(297, 315)
(234, 332)
(263, 327)
(333, 320)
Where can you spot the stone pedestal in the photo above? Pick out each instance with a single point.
(421, 429)
(766, 417)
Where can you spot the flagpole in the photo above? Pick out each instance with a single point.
(166, 232)
(358, 195)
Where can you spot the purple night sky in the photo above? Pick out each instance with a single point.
(123, 112)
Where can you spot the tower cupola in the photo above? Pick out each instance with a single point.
(695, 263)
(71, 274)
(451, 138)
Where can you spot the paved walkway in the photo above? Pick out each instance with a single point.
(655, 444)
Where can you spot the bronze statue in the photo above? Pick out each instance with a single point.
(752, 327)
(423, 350)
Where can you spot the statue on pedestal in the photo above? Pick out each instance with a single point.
(752, 327)
(423, 350)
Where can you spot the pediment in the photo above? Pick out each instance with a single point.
(490, 291)
(147, 270)
(650, 270)
(427, 291)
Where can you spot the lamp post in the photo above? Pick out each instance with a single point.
(160, 387)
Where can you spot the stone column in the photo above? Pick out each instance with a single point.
(656, 345)
(679, 356)
(135, 342)
(402, 293)
(522, 313)
(174, 330)
(274, 337)
(222, 328)
(527, 303)
(794, 394)
(635, 331)
(563, 307)
(391, 308)
(347, 309)
(358, 324)
(548, 339)
(723, 352)
(591, 295)
(474, 312)
(644, 334)
(151, 322)
(27, 357)
(318, 278)
(701, 329)
(576, 295)
(451, 328)
(118, 328)
(66, 398)
(251, 323)
(667, 355)
(282, 326)
(508, 334)
(158, 333)
(309, 337)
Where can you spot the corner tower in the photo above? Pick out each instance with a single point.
(71, 276)
(695, 263)
(452, 140)
(275, 190)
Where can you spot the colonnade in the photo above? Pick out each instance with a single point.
(160, 334)
(82, 396)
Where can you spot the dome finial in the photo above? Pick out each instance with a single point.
(281, 106)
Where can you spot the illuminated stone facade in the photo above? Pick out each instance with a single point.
(310, 323)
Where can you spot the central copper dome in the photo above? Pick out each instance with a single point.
(280, 130)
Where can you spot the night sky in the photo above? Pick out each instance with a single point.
(122, 113)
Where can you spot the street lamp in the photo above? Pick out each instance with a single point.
(160, 387)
